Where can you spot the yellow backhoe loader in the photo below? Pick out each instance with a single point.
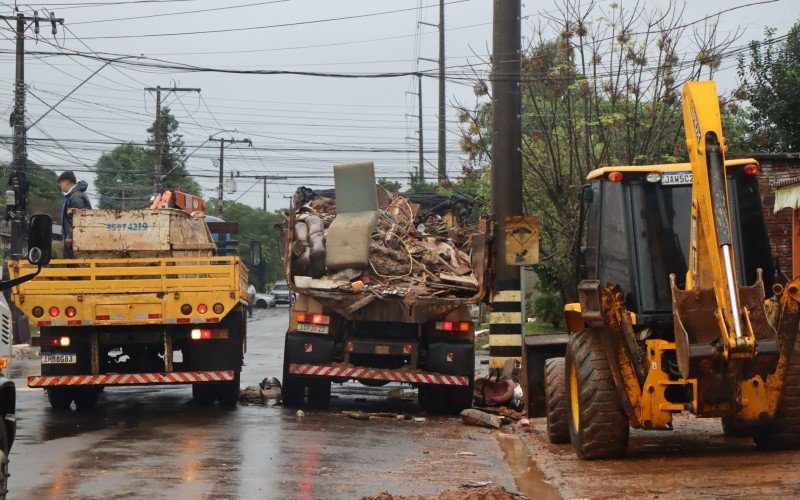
(673, 304)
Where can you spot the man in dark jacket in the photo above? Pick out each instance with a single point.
(74, 197)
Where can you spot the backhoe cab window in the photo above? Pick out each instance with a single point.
(638, 234)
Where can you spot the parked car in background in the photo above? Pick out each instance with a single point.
(264, 300)
(280, 291)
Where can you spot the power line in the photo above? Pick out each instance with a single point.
(269, 26)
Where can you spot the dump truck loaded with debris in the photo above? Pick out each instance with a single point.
(383, 284)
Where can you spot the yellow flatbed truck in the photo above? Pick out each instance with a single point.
(137, 321)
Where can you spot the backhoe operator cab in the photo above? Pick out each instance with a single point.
(637, 235)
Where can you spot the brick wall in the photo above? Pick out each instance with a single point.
(776, 167)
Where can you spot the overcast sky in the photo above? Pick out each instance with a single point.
(295, 122)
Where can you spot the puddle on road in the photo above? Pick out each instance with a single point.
(527, 475)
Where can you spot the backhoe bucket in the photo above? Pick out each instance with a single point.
(699, 345)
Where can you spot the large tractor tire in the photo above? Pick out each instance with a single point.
(783, 433)
(556, 403)
(598, 427)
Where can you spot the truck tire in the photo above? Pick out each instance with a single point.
(783, 433)
(556, 404)
(432, 399)
(459, 399)
(598, 426)
(292, 387)
(85, 399)
(319, 393)
(228, 392)
(203, 394)
(60, 399)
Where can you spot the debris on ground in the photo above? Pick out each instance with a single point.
(420, 247)
(472, 416)
(301, 413)
(493, 392)
(356, 415)
(268, 389)
(25, 351)
(477, 490)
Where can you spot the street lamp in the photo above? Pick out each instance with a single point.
(121, 185)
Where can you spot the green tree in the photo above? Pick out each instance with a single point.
(124, 177)
(604, 91)
(389, 185)
(256, 224)
(173, 154)
(771, 83)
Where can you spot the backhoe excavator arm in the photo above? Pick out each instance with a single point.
(716, 317)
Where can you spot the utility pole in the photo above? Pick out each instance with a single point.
(421, 173)
(421, 164)
(505, 324)
(17, 195)
(220, 188)
(159, 141)
(266, 178)
(442, 164)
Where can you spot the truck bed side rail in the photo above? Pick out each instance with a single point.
(142, 275)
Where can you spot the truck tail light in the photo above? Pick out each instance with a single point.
(54, 341)
(615, 176)
(53, 311)
(218, 308)
(453, 326)
(205, 334)
(70, 312)
(315, 319)
(751, 169)
(186, 309)
(202, 309)
(37, 312)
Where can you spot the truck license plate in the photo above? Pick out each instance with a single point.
(61, 358)
(676, 178)
(305, 327)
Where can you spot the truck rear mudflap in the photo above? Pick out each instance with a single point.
(119, 379)
(362, 373)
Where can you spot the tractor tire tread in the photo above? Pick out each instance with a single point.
(604, 429)
(783, 433)
(556, 406)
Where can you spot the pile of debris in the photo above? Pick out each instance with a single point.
(420, 247)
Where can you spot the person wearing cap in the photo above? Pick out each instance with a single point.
(74, 197)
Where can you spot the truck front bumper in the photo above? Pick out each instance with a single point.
(358, 372)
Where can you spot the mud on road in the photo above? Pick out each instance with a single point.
(694, 460)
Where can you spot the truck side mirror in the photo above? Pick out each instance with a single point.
(40, 239)
(255, 253)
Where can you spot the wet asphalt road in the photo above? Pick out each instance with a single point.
(153, 442)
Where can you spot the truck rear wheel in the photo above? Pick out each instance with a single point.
(432, 399)
(203, 394)
(556, 407)
(85, 399)
(598, 427)
(60, 399)
(783, 433)
(228, 392)
(292, 387)
(319, 393)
